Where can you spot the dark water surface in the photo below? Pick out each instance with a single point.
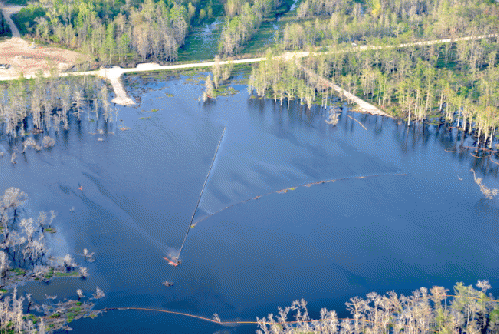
(325, 243)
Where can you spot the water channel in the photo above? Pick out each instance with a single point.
(325, 243)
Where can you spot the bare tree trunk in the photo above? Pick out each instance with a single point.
(491, 137)
(409, 118)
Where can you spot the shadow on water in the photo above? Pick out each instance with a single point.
(325, 243)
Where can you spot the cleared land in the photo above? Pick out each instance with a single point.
(29, 59)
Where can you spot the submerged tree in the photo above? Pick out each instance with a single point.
(209, 93)
(486, 191)
(24, 256)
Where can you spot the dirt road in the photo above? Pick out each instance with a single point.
(27, 60)
(7, 12)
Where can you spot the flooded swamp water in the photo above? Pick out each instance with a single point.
(404, 211)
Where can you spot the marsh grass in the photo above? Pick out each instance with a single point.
(225, 91)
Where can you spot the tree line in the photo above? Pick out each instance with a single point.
(327, 23)
(469, 310)
(460, 81)
(281, 80)
(46, 102)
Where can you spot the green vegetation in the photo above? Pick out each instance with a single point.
(26, 19)
(225, 91)
(201, 42)
(17, 2)
(19, 271)
(119, 32)
(329, 23)
(4, 27)
(71, 316)
(456, 81)
(69, 274)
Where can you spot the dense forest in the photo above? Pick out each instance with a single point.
(330, 22)
(114, 32)
(127, 31)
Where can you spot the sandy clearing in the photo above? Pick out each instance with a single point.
(22, 58)
(27, 60)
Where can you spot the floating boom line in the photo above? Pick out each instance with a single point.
(217, 320)
(285, 190)
(201, 194)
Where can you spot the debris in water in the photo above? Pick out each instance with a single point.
(99, 293)
(283, 191)
(167, 284)
(488, 192)
(173, 263)
(88, 256)
(362, 125)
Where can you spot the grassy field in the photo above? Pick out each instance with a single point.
(202, 42)
(264, 38)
